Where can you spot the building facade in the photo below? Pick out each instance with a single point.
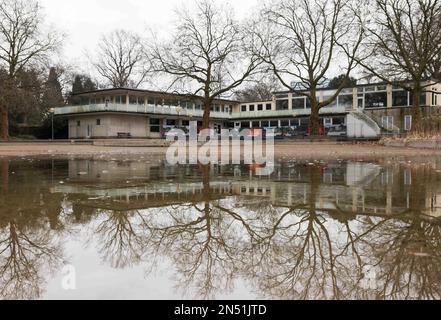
(365, 111)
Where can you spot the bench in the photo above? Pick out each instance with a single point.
(124, 135)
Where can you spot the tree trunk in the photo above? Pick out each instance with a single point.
(314, 118)
(206, 117)
(4, 132)
(416, 110)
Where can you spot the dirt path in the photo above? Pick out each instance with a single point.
(283, 150)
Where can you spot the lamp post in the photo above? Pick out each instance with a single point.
(178, 110)
(52, 111)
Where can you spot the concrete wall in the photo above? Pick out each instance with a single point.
(109, 127)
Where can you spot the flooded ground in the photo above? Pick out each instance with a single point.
(132, 229)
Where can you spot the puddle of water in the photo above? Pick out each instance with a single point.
(137, 230)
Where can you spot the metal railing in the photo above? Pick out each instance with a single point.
(175, 111)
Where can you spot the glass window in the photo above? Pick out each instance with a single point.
(185, 123)
(376, 100)
(423, 101)
(155, 125)
(346, 101)
(98, 122)
(308, 103)
(259, 107)
(407, 123)
(284, 123)
(245, 124)
(282, 105)
(133, 100)
(400, 99)
(387, 122)
(244, 108)
(170, 122)
(120, 99)
(298, 103)
(327, 122)
(333, 104)
(252, 107)
(274, 124)
(268, 107)
(434, 99)
(265, 124)
(256, 124)
(78, 123)
(151, 101)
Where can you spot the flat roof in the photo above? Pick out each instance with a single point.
(153, 92)
(383, 83)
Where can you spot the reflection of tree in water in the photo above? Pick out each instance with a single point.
(296, 256)
(26, 255)
(203, 240)
(299, 252)
(121, 236)
(406, 256)
(29, 249)
(303, 251)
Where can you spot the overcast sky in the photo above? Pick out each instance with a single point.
(84, 21)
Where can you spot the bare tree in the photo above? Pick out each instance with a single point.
(22, 41)
(122, 59)
(304, 40)
(261, 90)
(404, 39)
(207, 52)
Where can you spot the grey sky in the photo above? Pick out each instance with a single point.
(84, 21)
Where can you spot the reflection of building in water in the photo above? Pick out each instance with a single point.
(352, 187)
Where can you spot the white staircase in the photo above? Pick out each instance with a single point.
(360, 125)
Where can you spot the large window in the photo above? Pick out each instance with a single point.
(268, 106)
(298, 103)
(333, 104)
(259, 107)
(155, 125)
(133, 100)
(120, 99)
(284, 123)
(244, 108)
(282, 105)
(400, 98)
(252, 108)
(376, 100)
(346, 101)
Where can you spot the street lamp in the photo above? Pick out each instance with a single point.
(52, 111)
(178, 110)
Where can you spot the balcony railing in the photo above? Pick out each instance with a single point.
(173, 111)
(134, 108)
(286, 113)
